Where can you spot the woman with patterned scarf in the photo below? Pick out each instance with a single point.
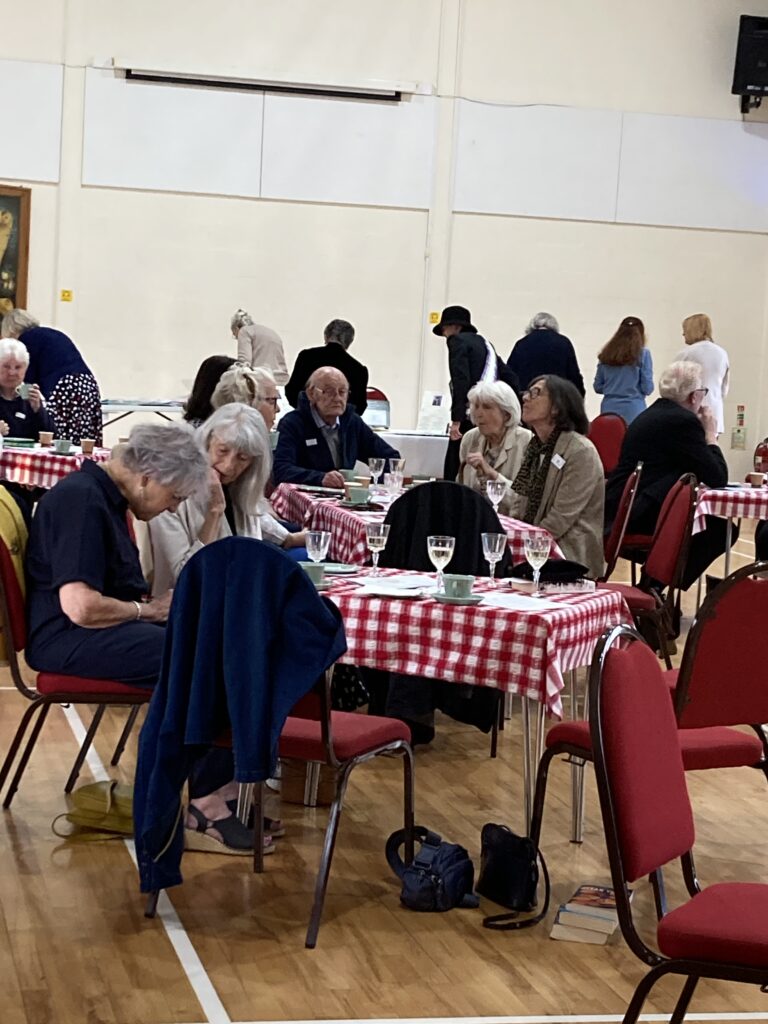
(560, 485)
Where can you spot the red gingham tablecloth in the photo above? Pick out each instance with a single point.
(347, 526)
(42, 467)
(521, 652)
(731, 503)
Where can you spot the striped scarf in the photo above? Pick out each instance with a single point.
(533, 473)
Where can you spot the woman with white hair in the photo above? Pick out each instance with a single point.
(544, 351)
(254, 386)
(713, 360)
(20, 417)
(258, 345)
(493, 449)
(62, 374)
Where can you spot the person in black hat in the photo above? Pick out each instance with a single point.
(470, 359)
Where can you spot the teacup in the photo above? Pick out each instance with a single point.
(22, 390)
(349, 474)
(46, 438)
(273, 438)
(756, 479)
(315, 571)
(62, 445)
(457, 585)
(357, 495)
(87, 444)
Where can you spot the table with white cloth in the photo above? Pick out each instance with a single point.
(730, 503)
(347, 526)
(424, 454)
(524, 649)
(43, 467)
(115, 409)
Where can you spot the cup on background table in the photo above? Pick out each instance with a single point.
(457, 585)
(357, 495)
(756, 479)
(315, 571)
(87, 444)
(62, 445)
(349, 474)
(22, 390)
(46, 438)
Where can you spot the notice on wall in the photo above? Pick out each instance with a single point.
(434, 412)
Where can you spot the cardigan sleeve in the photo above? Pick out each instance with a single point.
(173, 541)
(646, 373)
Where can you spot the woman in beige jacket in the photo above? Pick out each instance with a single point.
(561, 485)
(493, 449)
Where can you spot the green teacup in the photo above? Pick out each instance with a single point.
(348, 474)
(357, 495)
(456, 585)
(315, 571)
(273, 438)
(62, 446)
(23, 390)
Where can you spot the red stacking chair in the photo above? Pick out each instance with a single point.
(720, 932)
(663, 568)
(713, 690)
(615, 538)
(606, 432)
(343, 740)
(50, 688)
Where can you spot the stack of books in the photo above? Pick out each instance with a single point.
(588, 916)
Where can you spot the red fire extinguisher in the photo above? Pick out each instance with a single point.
(761, 457)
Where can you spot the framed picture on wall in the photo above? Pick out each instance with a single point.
(14, 246)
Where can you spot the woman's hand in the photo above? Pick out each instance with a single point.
(217, 503)
(480, 466)
(709, 422)
(35, 398)
(295, 540)
(157, 609)
(455, 431)
(4, 428)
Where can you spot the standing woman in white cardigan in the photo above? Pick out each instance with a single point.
(713, 360)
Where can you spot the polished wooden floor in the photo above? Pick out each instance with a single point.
(74, 946)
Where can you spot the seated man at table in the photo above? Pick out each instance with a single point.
(324, 435)
(675, 435)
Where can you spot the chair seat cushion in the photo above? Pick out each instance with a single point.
(725, 922)
(51, 684)
(637, 599)
(719, 747)
(636, 541)
(574, 734)
(353, 735)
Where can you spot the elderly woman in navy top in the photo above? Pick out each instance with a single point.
(62, 374)
(86, 612)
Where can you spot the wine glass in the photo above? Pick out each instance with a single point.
(536, 552)
(496, 489)
(376, 467)
(393, 483)
(376, 535)
(440, 551)
(397, 466)
(493, 550)
(318, 542)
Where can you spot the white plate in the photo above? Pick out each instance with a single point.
(472, 599)
(381, 590)
(337, 569)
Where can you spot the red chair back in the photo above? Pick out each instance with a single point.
(637, 758)
(615, 538)
(722, 675)
(606, 432)
(13, 617)
(375, 395)
(669, 548)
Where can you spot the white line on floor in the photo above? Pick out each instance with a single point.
(546, 1019)
(190, 962)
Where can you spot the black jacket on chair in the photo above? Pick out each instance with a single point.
(311, 359)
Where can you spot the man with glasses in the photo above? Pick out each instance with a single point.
(324, 435)
(675, 435)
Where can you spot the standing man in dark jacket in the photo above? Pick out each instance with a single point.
(675, 435)
(470, 359)
(339, 335)
(544, 350)
(324, 435)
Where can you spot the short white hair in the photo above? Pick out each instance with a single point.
(169, 453)
(240, 319)
(543, 321)
(242, 384)
(16, 322)
(17, 349)
(244, 429)
(679, 380)
(500, 394)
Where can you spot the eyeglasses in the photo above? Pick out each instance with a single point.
(534, 392)
(332, 392)
(700, 391)
(272, 400)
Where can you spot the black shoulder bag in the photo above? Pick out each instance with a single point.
(509, 875)
(439, 877)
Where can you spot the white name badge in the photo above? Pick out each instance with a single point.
(558, 461)
(20, 416)
(311, 441)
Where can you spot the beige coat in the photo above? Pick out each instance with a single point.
(572, 504)
(515, 442)
(261, 346)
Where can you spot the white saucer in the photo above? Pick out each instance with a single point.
(322, 586)
(472, 599)
(338, 569)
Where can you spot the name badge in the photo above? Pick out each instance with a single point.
(20, 416)
(310, 441)
(558, 461)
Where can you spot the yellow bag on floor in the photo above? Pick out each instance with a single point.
(100, 810)
(13, 533)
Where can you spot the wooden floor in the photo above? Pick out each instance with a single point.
(74, 946)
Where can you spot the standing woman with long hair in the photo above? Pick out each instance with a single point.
(625, 371)
(713, 360)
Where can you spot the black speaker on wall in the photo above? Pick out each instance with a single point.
(750, 74)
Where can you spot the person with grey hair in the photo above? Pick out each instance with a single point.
(237, 445)
(258, 345)
(338, 336)
(254, 386)
(493, 449)
(55, 364)
(675, 435)
(543, 351)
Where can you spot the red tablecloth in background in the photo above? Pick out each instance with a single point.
(42, 467)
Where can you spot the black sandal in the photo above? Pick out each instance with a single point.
(272, 826)
(236, 840)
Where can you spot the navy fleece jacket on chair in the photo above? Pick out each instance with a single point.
(248, 636)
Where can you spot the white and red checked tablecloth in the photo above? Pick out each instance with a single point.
(731, 503)
(347, 526)
(42, 467)
(521, 652)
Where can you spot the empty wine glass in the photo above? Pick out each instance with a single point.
(397, 466)
(493, 550)
(318, 542)
(376, 467)
(496, 489)
(440, 551)
(376, 535)
(536, 552)
(393, 483)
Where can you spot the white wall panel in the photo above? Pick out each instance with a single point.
(31, 119)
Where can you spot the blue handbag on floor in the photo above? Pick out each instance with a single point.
(440, 877)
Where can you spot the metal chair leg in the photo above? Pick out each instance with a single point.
(151, 906)
(641, 994)
(10, 757)
(27, 752)
(85, 748)
(498, 723)
(656, 878)
(325, 861)
(312, 783)
(257, 799)
(127, 730)
(540, 794)
(408, 802)
(685, 997)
